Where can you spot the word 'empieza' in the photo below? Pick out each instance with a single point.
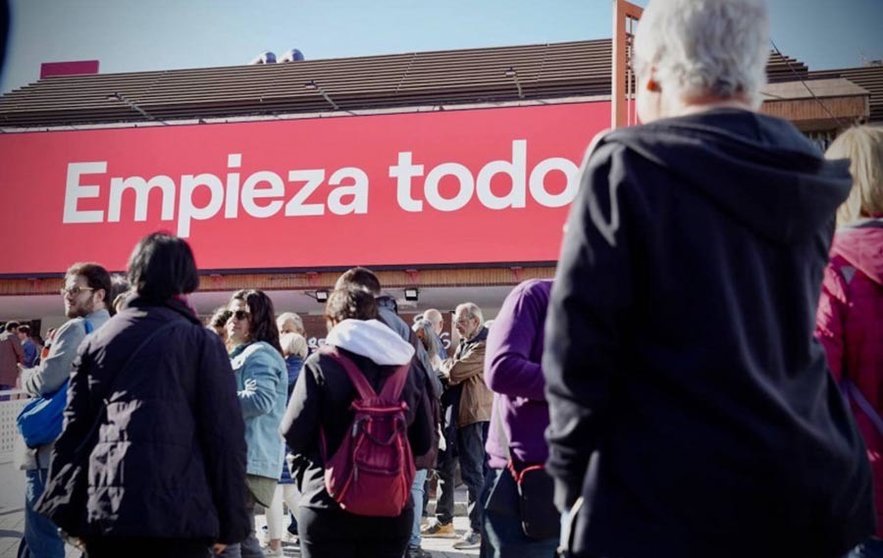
(263, 194)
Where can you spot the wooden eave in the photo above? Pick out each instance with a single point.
(544, 71)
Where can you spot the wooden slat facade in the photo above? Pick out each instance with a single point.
(869, 77)
(546, 71)
(300, 281)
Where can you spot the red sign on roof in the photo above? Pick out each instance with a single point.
(452, 187)
(75, 67)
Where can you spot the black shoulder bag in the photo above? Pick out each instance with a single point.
(536, 492)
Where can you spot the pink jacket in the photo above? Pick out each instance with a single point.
(849, 324)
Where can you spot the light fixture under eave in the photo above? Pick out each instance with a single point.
(412, 294)
(313, 86)
(512, 74)
(321, 296)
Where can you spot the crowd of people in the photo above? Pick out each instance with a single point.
(702, 377)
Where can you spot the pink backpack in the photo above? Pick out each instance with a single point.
(372, 470)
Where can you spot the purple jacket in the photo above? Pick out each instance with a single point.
(512, 371)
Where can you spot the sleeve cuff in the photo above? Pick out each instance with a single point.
(566, 493)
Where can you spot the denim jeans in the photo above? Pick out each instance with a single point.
(470, 441)
(417, 490)
(250, 547)
(501, 534)
(41, 535)
(444, 503)
(470, 446)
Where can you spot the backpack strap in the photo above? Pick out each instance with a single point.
(392, 387)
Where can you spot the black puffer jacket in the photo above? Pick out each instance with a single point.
(170, 457)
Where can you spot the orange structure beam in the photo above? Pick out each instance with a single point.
(625, 19)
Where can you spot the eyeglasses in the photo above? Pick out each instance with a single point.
(240, 315)
(74, 291)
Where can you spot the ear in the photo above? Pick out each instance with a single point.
(649, 81)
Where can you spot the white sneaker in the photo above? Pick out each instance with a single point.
(472, 539)
(270, 553)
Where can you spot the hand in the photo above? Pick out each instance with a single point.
(75, 542)
(218, 548)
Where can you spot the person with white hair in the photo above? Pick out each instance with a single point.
(289, 322)
(438, 323)
(691, 411)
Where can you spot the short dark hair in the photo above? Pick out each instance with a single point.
(360, 278)
(11, 326)
(119, 286)
(350, 304)
(220, 317)
(162, 266)
(261, 317)
(24, 328)
(96, 277)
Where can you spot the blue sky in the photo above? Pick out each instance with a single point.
(138, 35)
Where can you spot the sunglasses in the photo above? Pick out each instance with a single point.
(240, 315)
(74, 291)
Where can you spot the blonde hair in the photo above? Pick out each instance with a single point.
(863, 146)
(293, 344)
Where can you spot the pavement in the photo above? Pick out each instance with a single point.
(12, 520)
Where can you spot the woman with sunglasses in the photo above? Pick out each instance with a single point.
(262, 387)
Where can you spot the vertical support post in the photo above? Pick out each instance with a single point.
(625, 14)
(617, 75)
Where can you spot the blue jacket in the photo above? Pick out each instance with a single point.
(294, 364)
(262, 387)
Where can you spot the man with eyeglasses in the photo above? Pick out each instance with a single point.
(87, 287)
(467, 403)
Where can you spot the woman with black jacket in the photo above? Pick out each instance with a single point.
(166, 468)
(320, 407)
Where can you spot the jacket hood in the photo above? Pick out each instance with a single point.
(758, 169)
(371, 339)
(861, 245)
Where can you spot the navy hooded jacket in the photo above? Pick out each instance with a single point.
(691, 407)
